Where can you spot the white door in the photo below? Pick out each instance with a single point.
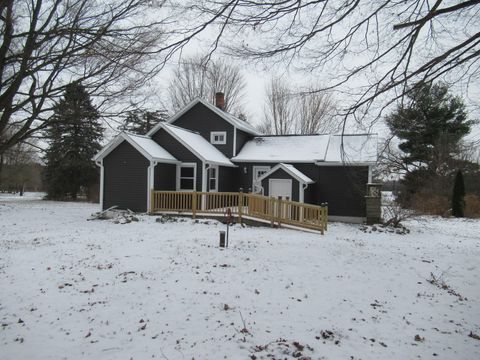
(280, 187)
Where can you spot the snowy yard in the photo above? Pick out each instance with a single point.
(77, 289)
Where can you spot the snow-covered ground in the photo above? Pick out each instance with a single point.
(77, 289)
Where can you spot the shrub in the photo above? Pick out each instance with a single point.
(431, 204)
(472, 206)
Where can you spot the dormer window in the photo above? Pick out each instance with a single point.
(218, 137)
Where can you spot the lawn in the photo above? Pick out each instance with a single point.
(77, 289)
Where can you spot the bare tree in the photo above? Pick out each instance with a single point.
(200, 77)
(112, 46)
(379, 48)
(18, 165)
(279, 109)
(316, 114)
(288, 111)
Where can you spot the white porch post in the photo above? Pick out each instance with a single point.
(301, 190)
(102, 177)
(150, 183)
(205, 168)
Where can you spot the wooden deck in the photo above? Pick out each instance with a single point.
(276, 211)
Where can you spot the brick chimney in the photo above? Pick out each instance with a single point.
(220, 100)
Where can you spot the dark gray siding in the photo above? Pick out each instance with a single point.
(125, 179)
(228, 180)
(281, 174)
(242, 138)
(203, 120)
(179, 151)
(165, 177)
(344, 188)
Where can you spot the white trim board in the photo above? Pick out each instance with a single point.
(112, 145)
(256, 181)
(178, 172)
(289, 169)
(218, 133)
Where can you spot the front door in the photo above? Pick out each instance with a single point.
(280, 187)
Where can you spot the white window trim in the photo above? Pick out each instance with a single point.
(216, 178)
(192, 165)
(254, 172)
(218, 133)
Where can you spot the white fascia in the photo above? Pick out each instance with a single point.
(102, 177)
(234, 141)
(150, 182)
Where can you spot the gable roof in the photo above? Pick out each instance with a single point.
(284, 148)
(143, 144)
(319, 149)
(194, 142)
(289, 169)
(236, 122)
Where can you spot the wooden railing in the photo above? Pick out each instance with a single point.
(279, 211)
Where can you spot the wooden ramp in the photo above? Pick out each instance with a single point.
(268, 209)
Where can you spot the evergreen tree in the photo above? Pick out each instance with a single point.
(141, 121)
(458, 202)
(431, 123)
(74, 135)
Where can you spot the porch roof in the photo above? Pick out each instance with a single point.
(143, 144)
(289, 169)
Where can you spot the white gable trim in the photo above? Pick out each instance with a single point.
(305, 180)
(124, 137)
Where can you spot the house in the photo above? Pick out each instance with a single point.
(203, 148)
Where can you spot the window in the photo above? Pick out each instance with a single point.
(258, 171)
(218, 137)
(186, 177)
(213, 178)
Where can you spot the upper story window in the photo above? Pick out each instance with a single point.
(218, 137)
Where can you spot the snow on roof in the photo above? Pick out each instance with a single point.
(151, 147)
(146, 146)
(197, 145)
(356, 149)
(310, 148)
(284, 148)
(290, 169)
(239, 124)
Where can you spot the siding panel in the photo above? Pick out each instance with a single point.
(344, 188)
(202, 120)
(125, 179)
(165, 177)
